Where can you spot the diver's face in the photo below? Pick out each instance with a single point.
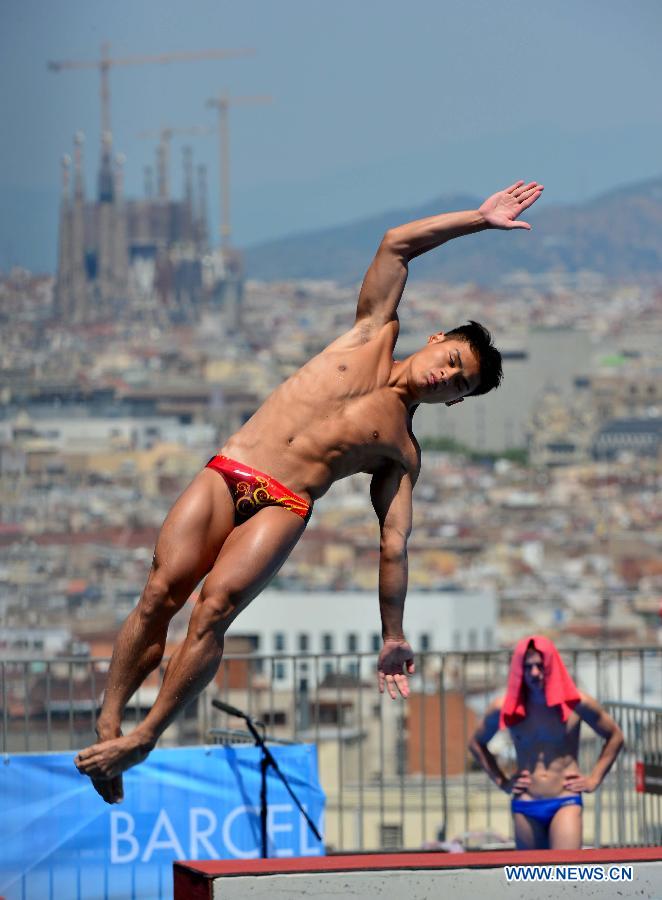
(446, 370)
(534, 673)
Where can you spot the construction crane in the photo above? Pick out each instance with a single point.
(165, 136)
(105, 63)
(223, 103)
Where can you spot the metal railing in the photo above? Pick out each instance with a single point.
(637, 812)
(395, 774)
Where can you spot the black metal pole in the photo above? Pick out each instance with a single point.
(266, 761)
(264, 765)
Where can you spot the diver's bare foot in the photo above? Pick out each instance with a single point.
(104, 762)
(109, 789)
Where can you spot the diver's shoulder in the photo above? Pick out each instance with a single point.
(365, 332)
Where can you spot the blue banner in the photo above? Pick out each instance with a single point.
(60, 841)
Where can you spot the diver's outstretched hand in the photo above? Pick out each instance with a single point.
(502, 209)
(395, 663)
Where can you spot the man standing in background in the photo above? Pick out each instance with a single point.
(544, 709)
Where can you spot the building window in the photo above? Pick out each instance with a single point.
(488, 638)
(352, 642)
(327, 670)
(327, 643)
(304, 642)
(376, 642)
(353, 669)
(390, 837)
(457, 640)
(279, 642)
(424, 642)
(330, 714)
(274, 718)
(279, 671)
(473, 639)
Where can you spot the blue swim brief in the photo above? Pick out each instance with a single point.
(544, 810)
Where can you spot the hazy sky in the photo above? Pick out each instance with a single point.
(376, 103)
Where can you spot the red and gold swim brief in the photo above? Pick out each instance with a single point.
(251, 490)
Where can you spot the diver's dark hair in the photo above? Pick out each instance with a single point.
(489, 358)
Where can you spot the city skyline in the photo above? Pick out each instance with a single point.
(545, 90)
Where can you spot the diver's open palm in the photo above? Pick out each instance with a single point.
(502, 209)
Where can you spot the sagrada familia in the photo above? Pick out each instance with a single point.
(139, 257)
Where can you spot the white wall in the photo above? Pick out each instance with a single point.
(461, 884)
(450, 620)
(84, 434)
(29, 642)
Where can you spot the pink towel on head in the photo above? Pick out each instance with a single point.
(560, 689)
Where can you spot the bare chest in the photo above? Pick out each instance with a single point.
(545, 734)
(342, 400)
(336, 416)
(369, 429)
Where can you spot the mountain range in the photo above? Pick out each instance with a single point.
(618, 234)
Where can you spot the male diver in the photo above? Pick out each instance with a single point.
(348, 410)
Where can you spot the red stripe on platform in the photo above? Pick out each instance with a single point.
(362, 862)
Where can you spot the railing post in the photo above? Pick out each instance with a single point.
(442, 741)
(597, 819)
(5, 711)
(361, 840)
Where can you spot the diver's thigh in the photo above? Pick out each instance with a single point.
(195, 529)
(253, 553)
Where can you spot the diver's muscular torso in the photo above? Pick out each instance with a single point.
(335, 416)
(547, 748)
